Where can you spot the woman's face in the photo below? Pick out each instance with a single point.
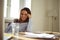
(24, 15)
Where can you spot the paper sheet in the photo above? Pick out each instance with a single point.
(42, 35)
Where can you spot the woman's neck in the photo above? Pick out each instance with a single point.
(22, 21)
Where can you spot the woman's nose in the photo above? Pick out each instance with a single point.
(23, 15)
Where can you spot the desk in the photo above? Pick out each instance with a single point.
(25, 38)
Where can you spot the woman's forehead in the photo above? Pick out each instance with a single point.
(24, 12)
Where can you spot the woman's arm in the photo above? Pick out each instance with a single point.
(29, 27)
(8, 28)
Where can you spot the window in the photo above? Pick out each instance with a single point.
(27, 3)
(12, 7)
(5, 7)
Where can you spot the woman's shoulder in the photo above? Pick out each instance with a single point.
(16, 21)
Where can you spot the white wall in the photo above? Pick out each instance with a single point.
(42, 12)
(39, 15)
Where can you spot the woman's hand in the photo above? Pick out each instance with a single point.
(29, 15)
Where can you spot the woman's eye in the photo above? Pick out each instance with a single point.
(21, 14)
(25, 14)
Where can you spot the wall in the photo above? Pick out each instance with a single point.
(39, 15)
(53, 14)
(45, 15)
(59, 16)
(1, 19)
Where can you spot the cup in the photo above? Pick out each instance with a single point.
(15, 29)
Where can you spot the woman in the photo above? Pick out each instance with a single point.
(24, 20)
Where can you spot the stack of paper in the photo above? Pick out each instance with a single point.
(42, 35)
